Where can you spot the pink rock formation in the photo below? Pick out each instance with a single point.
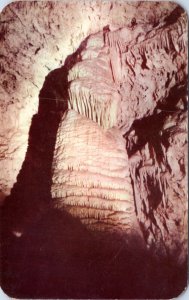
(116, 169)
(33, 44)
(117, 81)
(158, 170)
(91, 179)
(120, 77)
(129, 73)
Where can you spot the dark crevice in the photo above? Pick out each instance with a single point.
(148, 129)
(174, 16)
(132, 183)
(155, 194)
(144, 61)
(176, 94)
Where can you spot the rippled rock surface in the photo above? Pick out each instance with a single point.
(91, 178)
(93, 149)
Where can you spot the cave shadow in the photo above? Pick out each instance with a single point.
(148, 128)
(30, 195)
(57, 257)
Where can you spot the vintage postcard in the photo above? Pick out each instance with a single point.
(93, 149)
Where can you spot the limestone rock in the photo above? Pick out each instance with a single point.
(36, 38)
(91, 178)
(158, 170)
(123, 74)
(123, 62)
(118, 163)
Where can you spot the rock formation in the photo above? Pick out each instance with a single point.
(91, 178)
(94, 127)
(158, 171)
(116, 83)
(33, 44)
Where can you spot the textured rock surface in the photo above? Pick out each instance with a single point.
(113, 81)
(122, 73)
(91, 179)
(33, 44)
(115, 161)
(139, 73)
(116, 80)
(158, 169)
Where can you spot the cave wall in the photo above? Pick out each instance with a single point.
(54, 57)
(36, 37)
(139, 87)
(139, 51)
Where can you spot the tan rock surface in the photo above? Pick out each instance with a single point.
(122, 75)
(91, 178)
(33, 44)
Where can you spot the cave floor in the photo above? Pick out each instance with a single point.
(57, 257)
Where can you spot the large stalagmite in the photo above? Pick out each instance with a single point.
(91, 178)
